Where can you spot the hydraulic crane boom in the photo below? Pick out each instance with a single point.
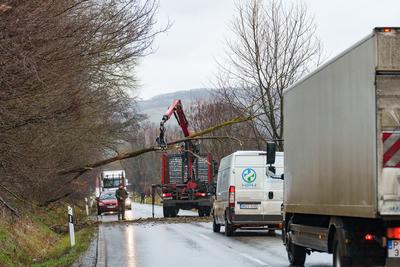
(176, 109)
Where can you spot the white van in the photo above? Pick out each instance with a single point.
(248, 195)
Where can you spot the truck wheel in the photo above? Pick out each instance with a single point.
(166, 212)
(201, 211)
(207, 212)
(216, 227)
(228, 228)
(172, 212)
(296, 254)
(338, 259)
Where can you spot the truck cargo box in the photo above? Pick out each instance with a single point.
(342, 133)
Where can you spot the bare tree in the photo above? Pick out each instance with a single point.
(274, 45)
(65, 66)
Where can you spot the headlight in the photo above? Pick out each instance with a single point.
(101, 204)
(127, 201)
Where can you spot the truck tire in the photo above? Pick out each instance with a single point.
(338, 259)
(207, 211)
(228, 228)
(296, 254)
(216, 226)
(172, 212)
(201, 211)
(166, 212)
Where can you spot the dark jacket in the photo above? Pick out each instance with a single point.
(121, 195)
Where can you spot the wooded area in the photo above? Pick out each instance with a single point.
(65, 70)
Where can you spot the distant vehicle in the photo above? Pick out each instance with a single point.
(110, 180)
(342, 157)
(107, 202)
(247, 194)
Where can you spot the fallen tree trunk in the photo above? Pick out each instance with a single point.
(195, 136)
(9, 207)
(81, 170)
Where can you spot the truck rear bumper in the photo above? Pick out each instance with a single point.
(392, 262)
(182, 204)
(257, 219)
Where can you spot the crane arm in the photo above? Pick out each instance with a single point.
(176, 109)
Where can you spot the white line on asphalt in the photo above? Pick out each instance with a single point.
(204, 236)
(254, 259)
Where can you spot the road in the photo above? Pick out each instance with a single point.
(188, 244)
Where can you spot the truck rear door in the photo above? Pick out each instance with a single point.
(388, 120)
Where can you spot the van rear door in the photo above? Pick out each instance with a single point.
(249, 172)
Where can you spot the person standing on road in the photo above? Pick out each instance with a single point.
(142, 196)
(121, 196)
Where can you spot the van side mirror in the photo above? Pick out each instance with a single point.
(271, 150)
(282, 176)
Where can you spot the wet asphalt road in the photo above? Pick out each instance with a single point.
(191, 245)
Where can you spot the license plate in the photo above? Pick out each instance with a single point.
(249, 206)
(394, 248)
(110, 207)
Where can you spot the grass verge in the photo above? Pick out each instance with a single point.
(29, 240)
(62, 254)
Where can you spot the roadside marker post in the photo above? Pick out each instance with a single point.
(87, 206)
(71, 226)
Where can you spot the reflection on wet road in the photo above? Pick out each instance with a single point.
(175, 245)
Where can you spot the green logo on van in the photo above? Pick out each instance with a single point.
(249, 175)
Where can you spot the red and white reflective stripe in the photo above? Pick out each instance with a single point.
(391, 149)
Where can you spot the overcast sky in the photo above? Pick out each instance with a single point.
(185, 56)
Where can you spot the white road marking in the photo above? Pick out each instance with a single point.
(247, 256)
(204, 236)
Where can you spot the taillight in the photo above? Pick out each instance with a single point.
(232, 196)
(198, 194)
(369, 237)
(167, 195)
(393, 233)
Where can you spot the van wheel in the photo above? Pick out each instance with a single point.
(296, 254)
(216, 227)
(338, 259)
(228, 228)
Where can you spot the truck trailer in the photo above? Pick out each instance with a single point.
(342, 157)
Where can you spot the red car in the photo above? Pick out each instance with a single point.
(107, 202)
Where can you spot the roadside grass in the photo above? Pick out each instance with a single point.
(62, 254)
(30, 240)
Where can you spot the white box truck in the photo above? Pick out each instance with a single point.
(247, 195)
(342, 157)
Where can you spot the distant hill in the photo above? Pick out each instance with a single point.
(156, 106)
